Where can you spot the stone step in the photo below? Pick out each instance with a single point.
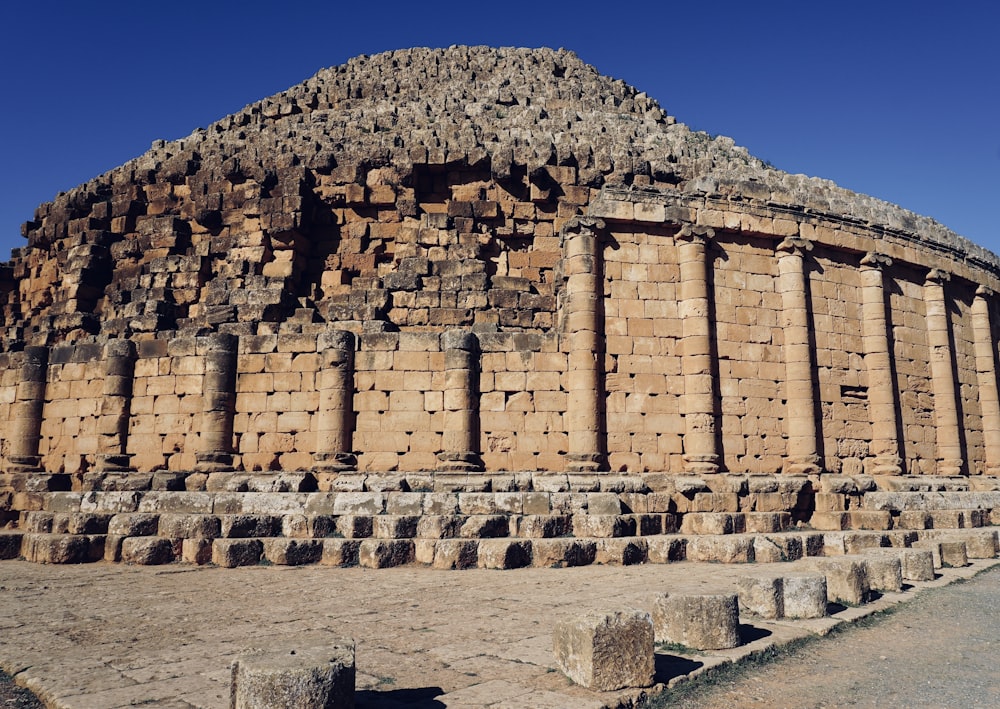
(500, 552)
(928, 501)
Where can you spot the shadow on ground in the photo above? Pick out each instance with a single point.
(417, 698)
(669, 666)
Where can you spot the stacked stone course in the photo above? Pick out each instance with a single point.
(415, 275)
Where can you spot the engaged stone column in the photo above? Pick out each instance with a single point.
(119, 357)
(584, 328)
(460, 442)
(802, 455)
(334, 450)
(986, 373)
(216, 454)
(949, 445)
(879, 363)
(26, 426)
(700, 452)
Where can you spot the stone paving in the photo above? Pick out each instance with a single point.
(102, 636)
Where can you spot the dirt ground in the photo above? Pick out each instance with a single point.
(101, 636)
(940, 650)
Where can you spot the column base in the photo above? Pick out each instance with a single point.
(114, 463)
(807, 465)
(951, 467)
(887, 465)
(459, 461)
(586, 463)
(24, 464)
(704, 464)
(213, 462)
(335, 462)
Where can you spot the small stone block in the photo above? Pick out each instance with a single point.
(340, 552)
(915, 564)
(803, 595)
(293, 552)
(310, 678)
(726, 549)
(954, 554)
(701, 622)
(148, 551)
(761, 596)
(504, 554)
(606, 651)
(385, 553)
(846, 579)
(455, 554)
(196, 551)
(885, 572)
(230, 553)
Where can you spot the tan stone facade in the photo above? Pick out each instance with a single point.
(488, 300)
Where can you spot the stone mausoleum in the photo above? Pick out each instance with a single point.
(485, 306)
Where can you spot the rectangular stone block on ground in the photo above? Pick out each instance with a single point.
(700, 622)
(761, 595)
(384, 553)
(606, 651)
(846, 579)
(804, 595)
(915, 564)
(294, 676)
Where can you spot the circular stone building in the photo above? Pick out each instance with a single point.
(491, 289)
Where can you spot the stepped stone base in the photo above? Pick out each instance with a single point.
(495, 521)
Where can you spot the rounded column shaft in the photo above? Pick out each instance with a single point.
(800, 396)
(882, 411)
(986, 375)
(949, 443)
(583, 325)
(26, 423)
(219, 395)
(335, 417)
(119, 357)
(700, 447)
(460, 439)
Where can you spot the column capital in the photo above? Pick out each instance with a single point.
(695, 234)
(938, 276)
(795, 245)
(581, 225)
(875, 260)
(985, 292)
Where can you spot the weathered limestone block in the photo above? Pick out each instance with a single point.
(295, 676)
(885, 572)
(945, 553)
(385, 553)
(775, 548)
(196, 551)
(594, 525)
(846, 579)
(621, 550)
(711, 523)
(10, 545)
(134, 524)
(726, 549)
(504, 554)
(606, 651)
(147, 551)
(182, 526)
(543, 526)
(663, 550)
(701, 622)
(761, 595)
(455, 554)
(62, 548)
(915, 564)
(554, 553)
(230, 553)
(293, 552)
(803, 595)
(236, 526)
(340, 552)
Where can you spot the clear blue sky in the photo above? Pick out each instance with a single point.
(897, 99)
